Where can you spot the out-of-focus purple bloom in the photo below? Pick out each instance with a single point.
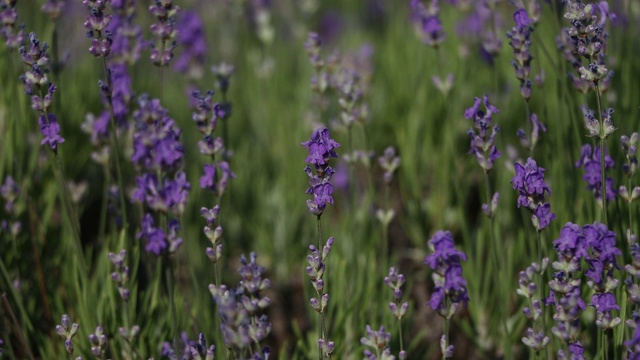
(9, 191)
(519, 40)
(604, 302)
(590, 160)
(164, 30)
(379, 341)
(426, 20)
(8, 20)
(156, 140)
(389, 162)
(216, 176)
(449, 284)
(191, 37)
(633, 344)
(52, 8)
(155, 237)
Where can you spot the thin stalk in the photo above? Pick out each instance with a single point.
(322, 328)
(605, 346)
(400, 335)
(542, 287)
(447, 325)
(116, 146)
(168, 276)
(16, 324)
(496, 266)
(603, 193)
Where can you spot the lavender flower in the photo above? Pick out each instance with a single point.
(8, 19)
(96, 25)
(321, 151)
(164, 30)
(427, 21)
(576, 352)
(10, 190)
(192, 39)
(127, 42)
(379, 342)
(52, 8)
(483, 137)
(98, 342)
(520, 40)
(532, 191)
(315, 270)
(450, 287)
(35, 82)
(590, 160)
(67, 331)
(121, 274)
(239, 310)
(389, 162)
(536, 126)
(394, 280)
(633, 344)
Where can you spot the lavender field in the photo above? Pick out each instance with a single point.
(280, 179)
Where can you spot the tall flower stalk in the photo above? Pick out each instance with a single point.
(321, 150)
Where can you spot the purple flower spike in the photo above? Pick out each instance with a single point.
(321, 151)
(449, 283)
(483, 135)
(50, 129)
(532, 191)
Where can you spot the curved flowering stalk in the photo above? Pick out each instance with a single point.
(450, 292)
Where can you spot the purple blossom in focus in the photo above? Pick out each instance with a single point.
(450, 290)
(532, 192)
(321, 150)
(50, 129)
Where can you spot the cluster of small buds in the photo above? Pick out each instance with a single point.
(313, 46)
(35, 82)
(450, 291)
(520, 40)
(427, 22)
(213, 234)
(253, 284)
(96, 24)
(536, 126)
(98, 342)
(633, 269)
(589, 39)
(321, 150)
(629, 146)
(206, 114)
(348, 75)
(576, 352)
(239, 330)
(532, 192)
(10, 191)
(390, 163)
(260, 11)
(483, 135)
(67, 331)
(633, 344)
(129, 335)
(164, 30)
(394, 280)
(53, 8)
(490, 24)
(593, 125)
(164, 189)
(199, 350)
(121, 274)
(590, 159)
(535, 340)
(490, 209)
(8, 19)
(315, 270)
(379, 342)
(359, 157)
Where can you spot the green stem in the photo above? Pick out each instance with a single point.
(168, 274)
(496, 266)
(447, 324)
(603, 179)
(116, 145)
